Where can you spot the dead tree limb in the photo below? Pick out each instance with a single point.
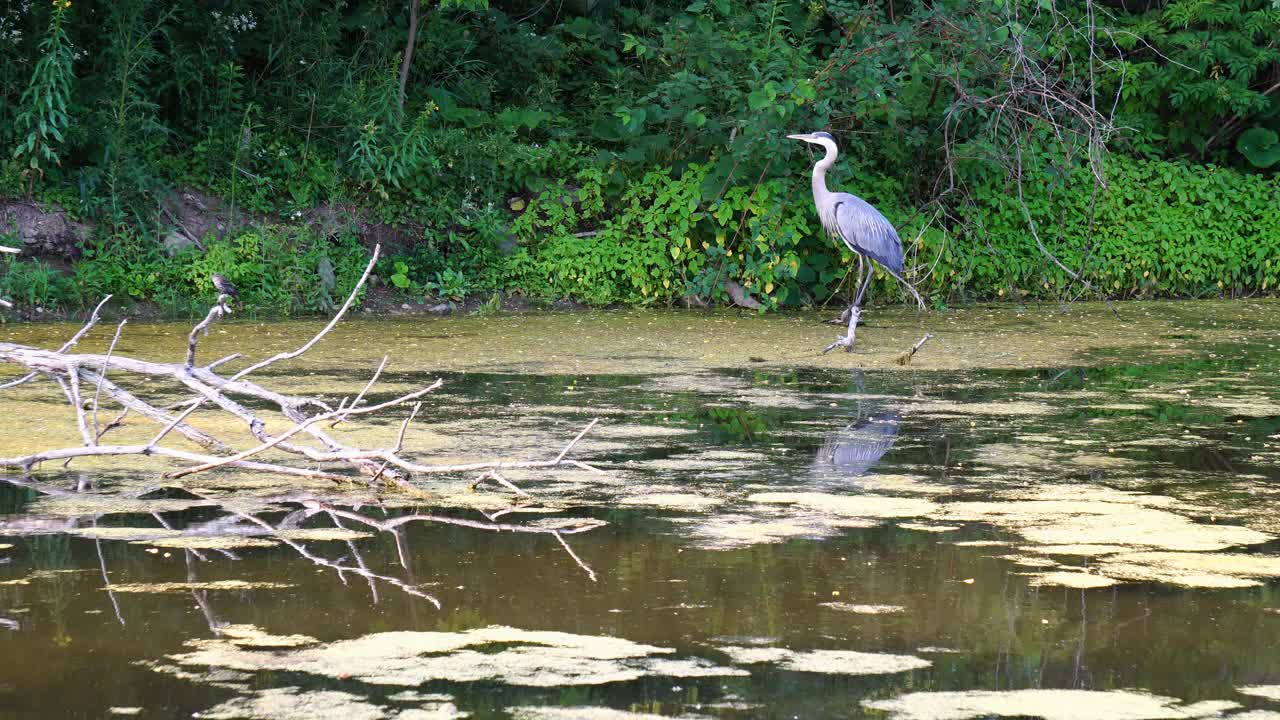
(323, 457)
(93, 320)
(275, 441)
(97, 393)
(217, 312)
(131, 403)
(365, 389)
(905, 358)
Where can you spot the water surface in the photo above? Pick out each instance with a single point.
(776, 539)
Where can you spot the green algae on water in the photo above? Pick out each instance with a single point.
(1078, 580)
(178, 587)
(674, 501)
(409, 659)
(293, 703)
(531, 712)
(827, 662)
(1270, 692)
(864, 609)
(1045, 704)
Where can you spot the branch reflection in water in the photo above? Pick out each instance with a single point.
(236, 525)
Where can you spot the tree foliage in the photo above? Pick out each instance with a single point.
(636, 152)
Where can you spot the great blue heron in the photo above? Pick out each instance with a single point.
(224, 286)
(853, 221)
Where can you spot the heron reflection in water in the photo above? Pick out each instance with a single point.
(859, 446)
(856, 448)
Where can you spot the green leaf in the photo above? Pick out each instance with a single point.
(1260, 146)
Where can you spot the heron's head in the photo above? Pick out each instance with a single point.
(816, 138)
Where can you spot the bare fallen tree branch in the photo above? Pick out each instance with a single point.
(217, 312)
(131, 403)
(97, 393)
(325, 331)
(365, 389)
(28, 462)
(299, 428)
(325, 458)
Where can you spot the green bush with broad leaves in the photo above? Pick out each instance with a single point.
(661, 241)
(1160, 229)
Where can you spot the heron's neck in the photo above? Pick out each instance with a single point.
(820, 170)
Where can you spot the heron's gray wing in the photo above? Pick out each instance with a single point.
(866, 231)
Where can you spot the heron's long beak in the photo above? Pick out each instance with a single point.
(798, 137)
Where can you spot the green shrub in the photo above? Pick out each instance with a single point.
(278, 270)
(43, 113)
(33, 283)
(1161, 229)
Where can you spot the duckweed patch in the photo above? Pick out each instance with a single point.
(1205, 570)
(177, 587)
(208, 542)
(1012, 407)
(528, 712)
(126, 533)
(292, 703)
(864, 609)
(98, 504)
(409, 659)
(1269, 692)
(850, 506)
(1046, 516)
(923, 527)
(320, 535)
(674, 501)
(827, 662)
(1045, 704)
(1079, 580)
(1081, 549)
(726, 531)
(251, 636)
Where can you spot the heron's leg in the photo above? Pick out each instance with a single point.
(866, 282)
(862, 269)
(844, 316)
(854, 313)
(855, 310)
